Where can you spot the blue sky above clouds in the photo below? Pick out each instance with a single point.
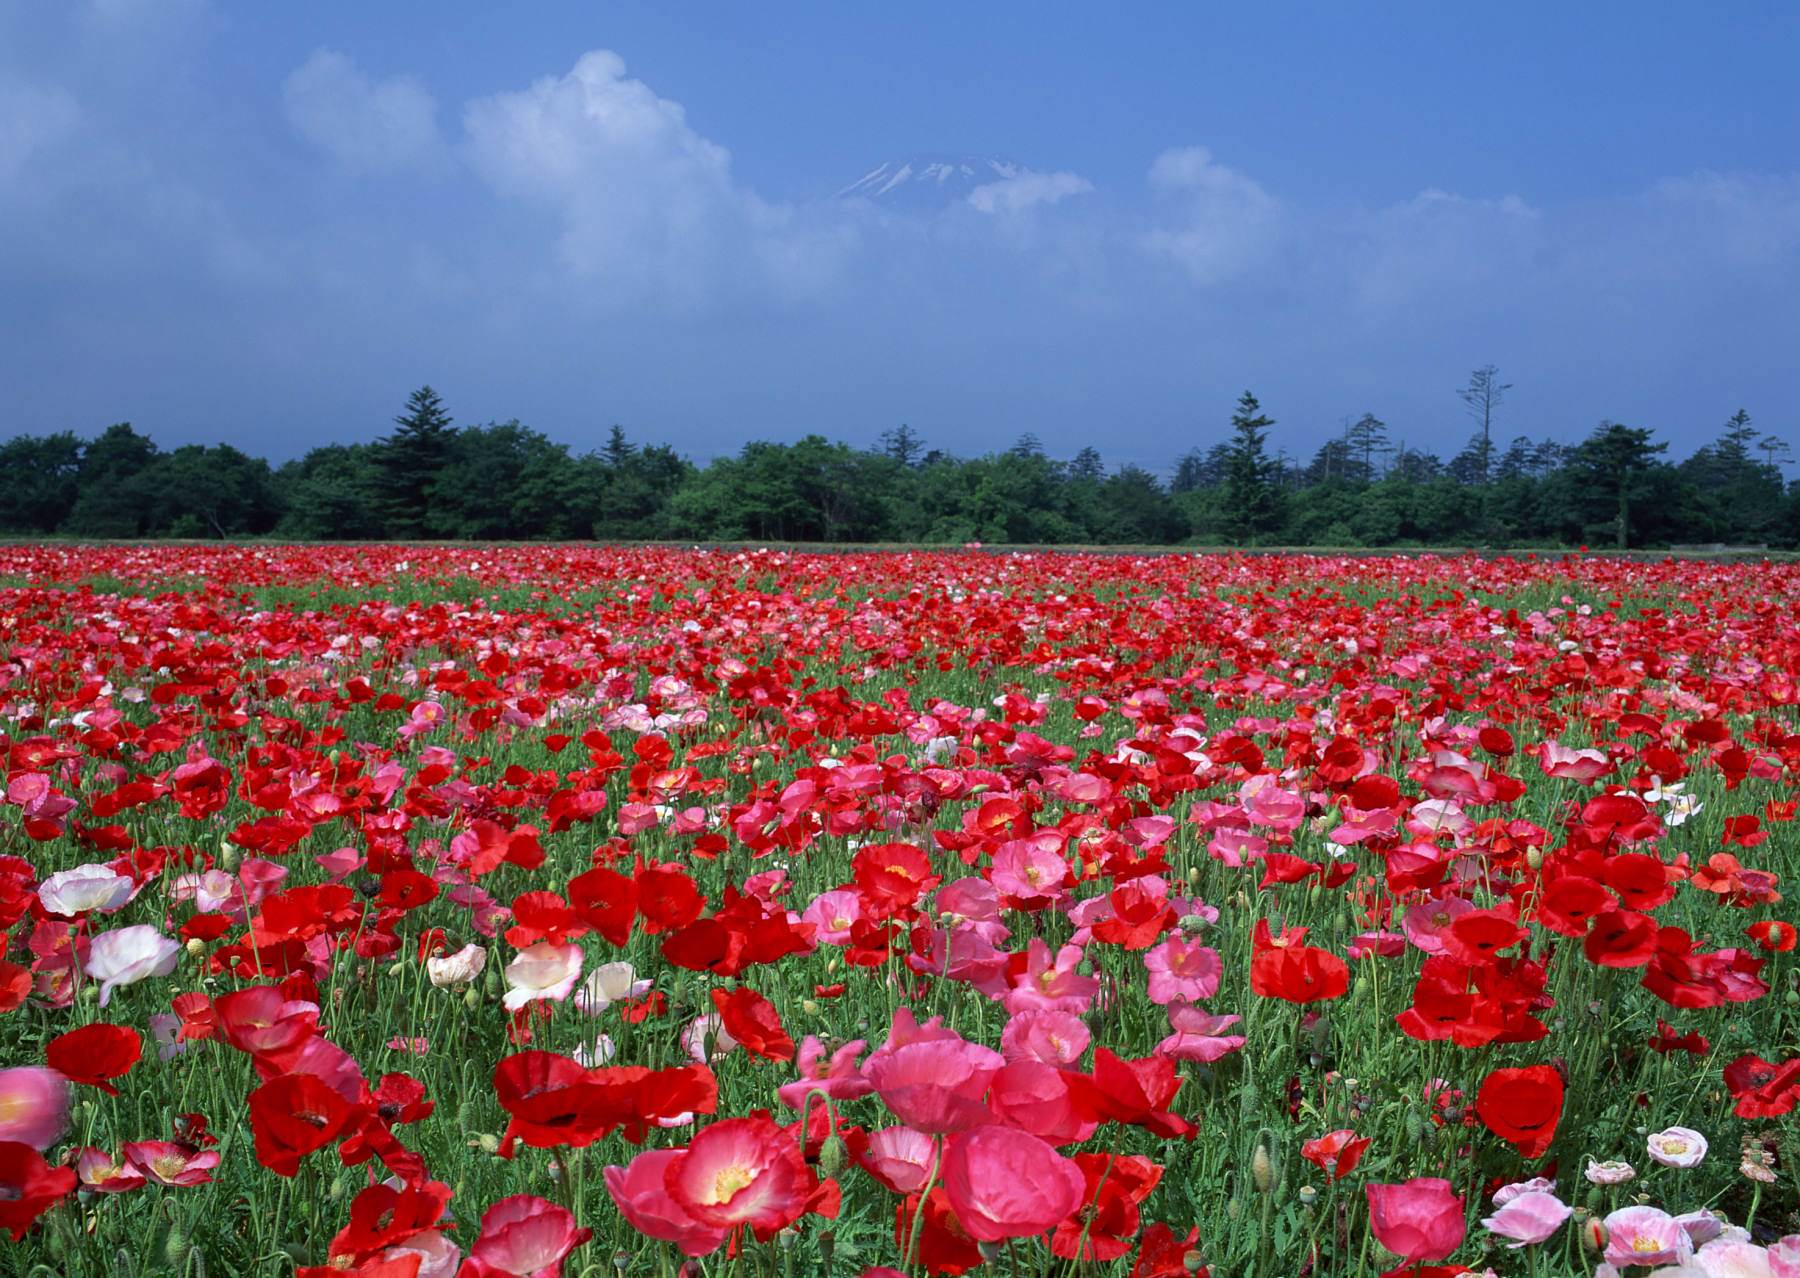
(266, 223)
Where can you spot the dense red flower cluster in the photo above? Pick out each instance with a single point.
(553, 853)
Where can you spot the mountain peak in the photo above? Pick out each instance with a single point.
(930, 180)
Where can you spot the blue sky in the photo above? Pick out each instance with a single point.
(266, 223)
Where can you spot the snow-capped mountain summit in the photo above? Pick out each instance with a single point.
(929, 182)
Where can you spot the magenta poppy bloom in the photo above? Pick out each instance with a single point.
(1182, 970)
(524, 1237)
(935, 1084)
(1004, 1183)
(643, 1198)
(1419, 1220)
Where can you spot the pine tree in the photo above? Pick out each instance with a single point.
(1367, 439)
(616, 452)
(1253, 497)
(1615, 460)
(1087, 465)
(1481, 397)
(408, 462)
(903, 444)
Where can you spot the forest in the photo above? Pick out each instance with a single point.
(428, 478)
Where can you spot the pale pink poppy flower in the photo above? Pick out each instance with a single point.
(1611, 1172)
(1427, 923)
(165, 1028)
(438, 1256)
(1055, 1038)
(168, 1163)
(839, 1078)
(1529, 1218)
(524, 1237)
(1730, 1258)
(87, 889)
(602, 1050)
(1585, 766)
(834, 913)
(696, 1033)
(639, 1189)
(1646, 1236)
(1003, 1183)
(608, 984)
(542, 971)
(339, 862)
(1052, 984)
(1199, 1035)
(1536, 1185)
(1182, 970)
(34, 1106)
(1784, 1257)
(900, 1158)
(1677, 1147)
(101, 1173)
(1703, 1226)
(460, 968)
(127, 955)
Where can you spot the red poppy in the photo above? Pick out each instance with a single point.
(553, 1101)
(752, 1020)
(1773, 935)
(742, 1171)
(1522, 1107)
(1285, 968)
(29, 1187)
(1335, 1153)
(1103, 1228)
(292, 1115)
(1761, 1088)
(1621, 938)
(606, 901)
(95, 1054)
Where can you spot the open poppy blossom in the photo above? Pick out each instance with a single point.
(95, 1054)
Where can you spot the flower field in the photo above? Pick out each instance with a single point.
(409, 912)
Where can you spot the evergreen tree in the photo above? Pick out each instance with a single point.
(1480, 398)
(1087, 465)
(1027, 445)
(1367, 439)
(903, 444)
(616, 452)
(1253, 497)
(1614, 463)
(409, 462)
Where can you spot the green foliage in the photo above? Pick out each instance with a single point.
(506, 481)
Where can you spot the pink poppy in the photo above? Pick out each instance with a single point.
(900, 1158)
(1528, 1218)
(1184, 970)
(839, 1079)
(1198, 1035)
(1054, 1038)
(1419, 1220)
(935, 1084)
(1004, 1183)
(1646, 1236)
(168, 1163)
(101, 1173)
(34, 1106)
(1427, 924)
(643, 1199)
(1052, 984)
(833, 914)
(524, 1237)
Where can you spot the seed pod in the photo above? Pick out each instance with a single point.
(176, 1248)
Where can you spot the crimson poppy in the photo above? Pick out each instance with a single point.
(1522, 1107)
(95, 1054)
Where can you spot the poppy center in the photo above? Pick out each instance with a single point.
(728, 1182)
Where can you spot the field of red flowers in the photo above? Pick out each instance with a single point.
(412, 912)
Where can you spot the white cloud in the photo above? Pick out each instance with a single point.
(1217, 222)
(367, 125)
(1022, 191)
(1442, 244)
(33, 119)
(646, 203)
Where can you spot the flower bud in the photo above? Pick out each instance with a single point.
(1261, 1172)
(1593, 1233)
(832, 1155)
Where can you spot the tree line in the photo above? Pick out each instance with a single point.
(429, 478)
